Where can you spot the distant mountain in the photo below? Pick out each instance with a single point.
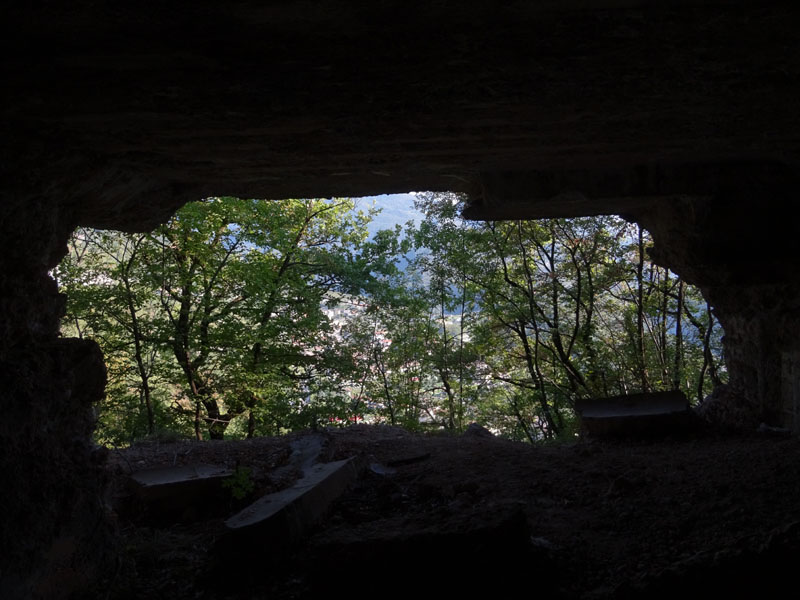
(396, 209)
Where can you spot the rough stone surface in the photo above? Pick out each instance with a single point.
(53, 529)
(681, 115)
(53, 524)
(124, 114)
(701, 514)
(490, 539)
(741, 246)
(477, 430)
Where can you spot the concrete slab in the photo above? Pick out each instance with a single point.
(636, 414)
(157, 482)
(281, 519)
(178, 493)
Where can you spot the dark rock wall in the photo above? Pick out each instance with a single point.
(741, 245)
(53, 527)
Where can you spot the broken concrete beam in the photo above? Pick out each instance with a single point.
(654, 413)
(179, 493)
(282, 519)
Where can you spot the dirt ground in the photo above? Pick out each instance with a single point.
(434, 515)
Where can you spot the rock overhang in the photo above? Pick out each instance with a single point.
(130, 112)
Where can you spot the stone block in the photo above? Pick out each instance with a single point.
(647, 414)
(180, 493)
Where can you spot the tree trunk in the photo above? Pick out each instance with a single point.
(198, 432)
(532, 363)
(443, 370)
(139, 356)
(676, 376)
(251, 425)
(641, 356)
(216, 421)
(386, 390)
(662, 334)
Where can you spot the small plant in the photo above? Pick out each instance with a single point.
(240, 483)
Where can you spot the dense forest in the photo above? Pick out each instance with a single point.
(241, 318)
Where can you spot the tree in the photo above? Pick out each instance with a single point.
(444, 247)
(563, 309)
(109, 299)
(243, 317)
(227, 300)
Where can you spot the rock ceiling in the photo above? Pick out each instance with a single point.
(125, 113)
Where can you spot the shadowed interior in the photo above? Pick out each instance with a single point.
(680, 117)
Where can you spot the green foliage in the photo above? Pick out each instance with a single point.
(552, 311)
(243, 317)
(218, 313)
(240, 484)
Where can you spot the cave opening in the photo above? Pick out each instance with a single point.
(243, 318)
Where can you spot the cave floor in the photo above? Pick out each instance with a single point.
(433, 514)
